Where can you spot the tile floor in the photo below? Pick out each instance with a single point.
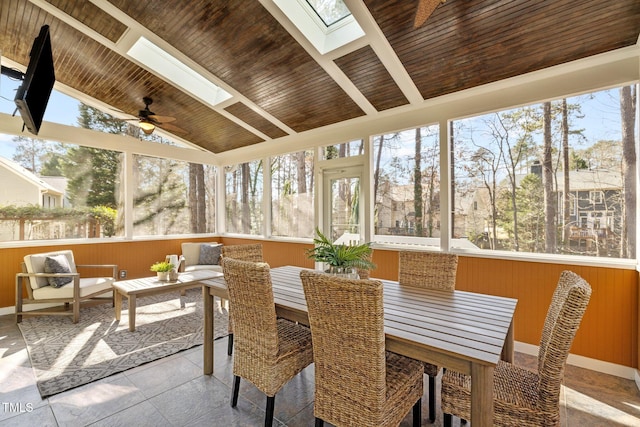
(174, 392)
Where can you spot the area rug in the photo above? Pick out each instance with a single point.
(65, 355)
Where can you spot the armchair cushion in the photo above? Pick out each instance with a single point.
(35, 264)
(57, 264)
(88, 286)
(210, 254)
(203, 267)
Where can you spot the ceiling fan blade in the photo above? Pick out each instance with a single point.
(424, 11)
(171, 128)
(161, 119)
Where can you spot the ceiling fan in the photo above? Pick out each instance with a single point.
(148, 120)
(424, 11)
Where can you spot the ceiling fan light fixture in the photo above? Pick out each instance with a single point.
(147, 127)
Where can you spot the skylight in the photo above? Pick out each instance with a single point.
(330, 11)
(169, 67)
(327, 24)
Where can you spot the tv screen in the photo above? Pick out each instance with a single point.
(33, 94)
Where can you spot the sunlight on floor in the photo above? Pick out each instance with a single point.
(609, 414)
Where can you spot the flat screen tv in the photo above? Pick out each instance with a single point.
(33, 94)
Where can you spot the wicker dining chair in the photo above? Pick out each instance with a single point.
(269, 351)
(430, 270)
(365, 273)
(522, 397)
(250, 252)
(357, 383)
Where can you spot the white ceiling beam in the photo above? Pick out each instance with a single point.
(385, 52)
(49, 131)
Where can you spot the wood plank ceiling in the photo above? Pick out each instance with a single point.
(279, 84)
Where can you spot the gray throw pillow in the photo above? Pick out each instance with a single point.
(57, 264)
(210, 254)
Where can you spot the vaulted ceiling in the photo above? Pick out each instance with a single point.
(280, 85)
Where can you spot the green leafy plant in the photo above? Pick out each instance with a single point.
(162, 266)
(340, 255)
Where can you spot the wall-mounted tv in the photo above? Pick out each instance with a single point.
(33, 94)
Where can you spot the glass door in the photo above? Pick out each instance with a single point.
(343, 216)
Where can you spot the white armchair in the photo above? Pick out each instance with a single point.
(53, 277)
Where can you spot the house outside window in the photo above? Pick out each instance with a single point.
(406, 186)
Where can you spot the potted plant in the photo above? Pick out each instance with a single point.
(340, 258)
(162, 268)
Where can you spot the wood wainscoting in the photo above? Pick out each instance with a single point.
(609, 330)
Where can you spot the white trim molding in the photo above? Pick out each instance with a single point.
(621, 371)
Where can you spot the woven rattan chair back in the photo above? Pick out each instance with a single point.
(523, 397)
(427, 269)
(252, 252)
(254, 319)
(269, 351)
(364, 273)
(430, 270)
(347, 326)
(564, 316)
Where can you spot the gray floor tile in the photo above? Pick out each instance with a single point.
(28, 416)
(95, 401)
(143, 414)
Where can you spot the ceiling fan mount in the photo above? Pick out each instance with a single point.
(146, 112)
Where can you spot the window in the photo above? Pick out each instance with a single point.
(292, 195)
(347, 149)
(172, 197)
(243, 198)
(329, 11)
(498, 158)
(327, 24)
(406, 185)
(56, 191)
(596, 197)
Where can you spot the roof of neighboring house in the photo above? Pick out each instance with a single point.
(585, 179)
(57, 182)
(27, 175)
(592, 180)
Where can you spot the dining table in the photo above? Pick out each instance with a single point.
(464, 331)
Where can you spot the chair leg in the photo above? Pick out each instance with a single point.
(432, 399)
(76, 311)
(319, 422)
(230, 345)
(18, 300)
(447, 420)
(268, 417)
(417, 413)
(235, 390)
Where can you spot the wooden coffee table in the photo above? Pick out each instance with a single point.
(152, 286)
